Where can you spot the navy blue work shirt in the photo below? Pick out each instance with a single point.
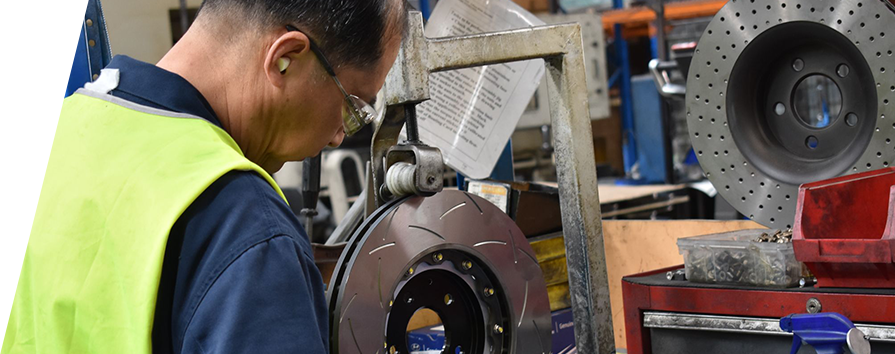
(239, 273)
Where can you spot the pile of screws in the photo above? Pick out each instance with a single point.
(779, 236)
(741, 266)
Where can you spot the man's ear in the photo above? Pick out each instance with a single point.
(285, 56)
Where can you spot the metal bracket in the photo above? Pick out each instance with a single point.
(561, 47)
(428, 166)
(659, 69)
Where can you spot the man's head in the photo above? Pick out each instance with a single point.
(266, 77)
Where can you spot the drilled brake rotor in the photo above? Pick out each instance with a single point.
(453, 253)
(757, 127)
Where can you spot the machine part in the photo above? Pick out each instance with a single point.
(546, 146)
(414, 168)
(399, 179)
(562, 48)
(538, 112)
(785, 93)
(751, 325)
(342, 172)
(350, 222)
(659, 69)
(310, 191)
(453, 253)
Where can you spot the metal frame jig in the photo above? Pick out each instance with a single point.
(561, 47)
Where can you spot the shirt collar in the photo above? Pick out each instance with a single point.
(158, 87)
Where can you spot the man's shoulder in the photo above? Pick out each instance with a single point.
(235, 217)
(234, 214)
(243, 205)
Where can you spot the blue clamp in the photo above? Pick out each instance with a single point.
(828, 333)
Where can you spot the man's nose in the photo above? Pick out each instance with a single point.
(337, 139)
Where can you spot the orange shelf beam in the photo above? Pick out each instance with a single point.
(637, 20)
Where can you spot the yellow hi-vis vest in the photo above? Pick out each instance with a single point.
(118, 177)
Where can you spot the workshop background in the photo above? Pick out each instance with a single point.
(745, 195)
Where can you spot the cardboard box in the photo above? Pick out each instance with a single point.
(534, 5)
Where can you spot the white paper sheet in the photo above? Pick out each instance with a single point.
(474, 111)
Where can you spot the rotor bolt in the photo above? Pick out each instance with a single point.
(498, 329)
(409, 300)
(467, 265)
(437, 257)
(842, 70)
(489, 292)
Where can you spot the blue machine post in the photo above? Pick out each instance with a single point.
(622, 77)
(93, 52)
(503, 170)
(425, 9)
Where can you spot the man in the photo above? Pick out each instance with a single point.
(159, 228)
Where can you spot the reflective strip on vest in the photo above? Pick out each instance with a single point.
(119, 176)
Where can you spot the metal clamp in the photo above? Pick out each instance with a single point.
(413, 168)
(660, 70)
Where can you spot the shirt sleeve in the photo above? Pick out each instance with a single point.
(263, 302)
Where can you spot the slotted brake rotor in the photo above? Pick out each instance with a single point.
(453, 253)
(782, 93)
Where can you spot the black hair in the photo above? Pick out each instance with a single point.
(349, 32)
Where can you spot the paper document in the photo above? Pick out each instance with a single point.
(474, 111)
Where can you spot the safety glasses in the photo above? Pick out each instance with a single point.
(356, 113)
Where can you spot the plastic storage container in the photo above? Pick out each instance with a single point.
(736, 258)
(845, 230)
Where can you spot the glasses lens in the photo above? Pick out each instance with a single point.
(366, 112)
(357, 114)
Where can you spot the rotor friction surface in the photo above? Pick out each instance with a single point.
(390, 251)
(746, 150)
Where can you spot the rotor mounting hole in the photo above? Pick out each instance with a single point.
(818, 101)
(798, 64)
(811, 142)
